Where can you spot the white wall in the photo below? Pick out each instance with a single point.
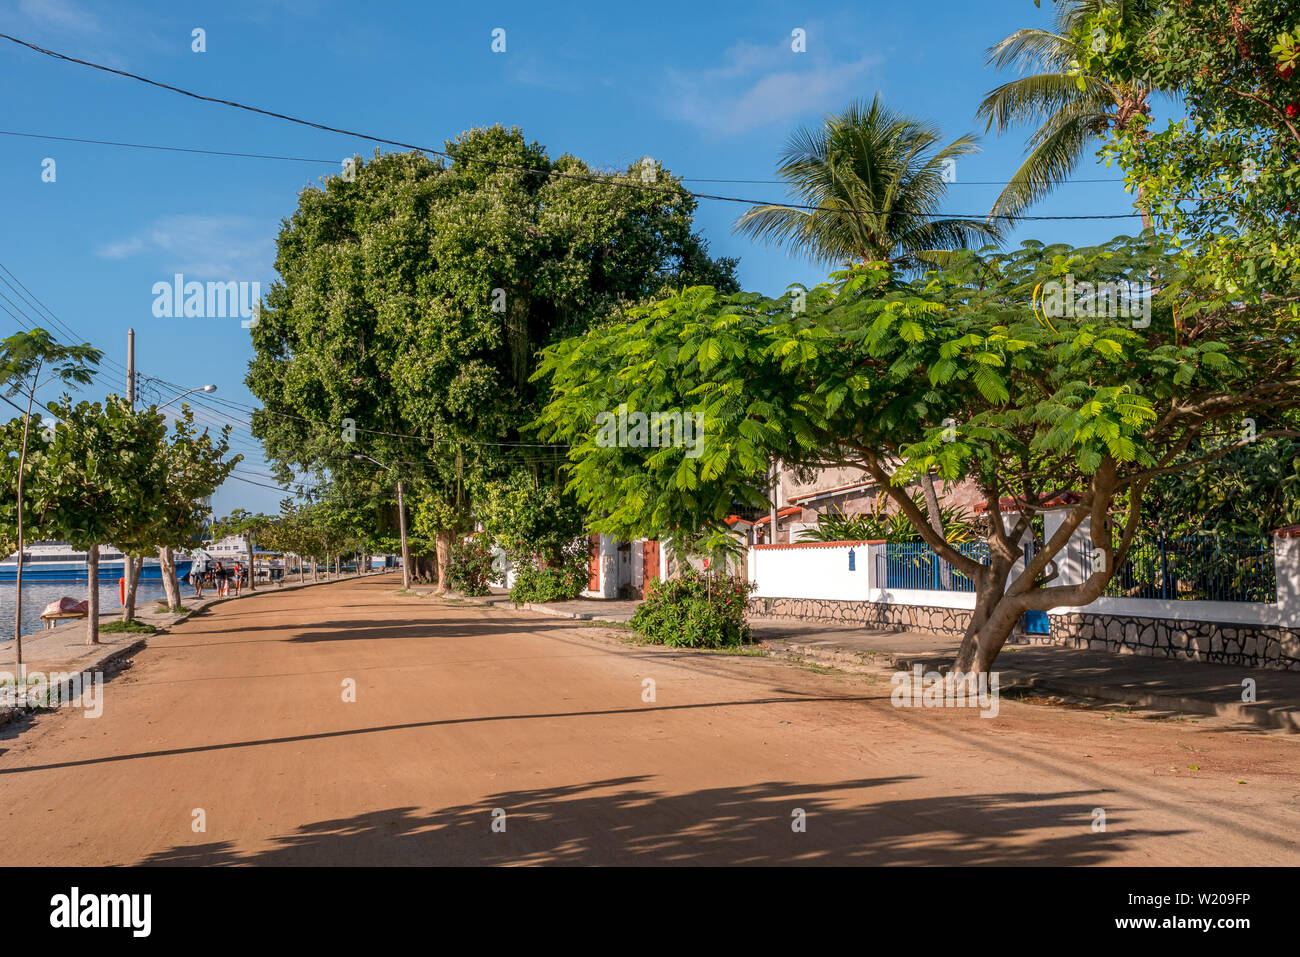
(822, 571)
(811, 571)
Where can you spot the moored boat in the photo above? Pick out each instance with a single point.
(59, 561)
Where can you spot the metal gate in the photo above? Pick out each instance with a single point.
(1034, 622)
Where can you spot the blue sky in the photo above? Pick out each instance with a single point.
(712, 90)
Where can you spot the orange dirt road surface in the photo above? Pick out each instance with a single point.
(465, 717)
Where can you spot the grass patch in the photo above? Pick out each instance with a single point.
(127, 627)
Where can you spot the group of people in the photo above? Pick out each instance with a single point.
(218, 577)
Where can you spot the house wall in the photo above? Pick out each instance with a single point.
(808, 495)
(811, 582)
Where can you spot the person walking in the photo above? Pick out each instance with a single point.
(239, 578)
(219, 578)
(196, 577)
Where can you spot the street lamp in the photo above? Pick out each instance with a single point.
(401, 521)
(202, 388)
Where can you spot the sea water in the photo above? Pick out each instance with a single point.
(37, 595)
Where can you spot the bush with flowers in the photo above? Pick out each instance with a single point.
(541, 581)
(695, 610)
(471, 565)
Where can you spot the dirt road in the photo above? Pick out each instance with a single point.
(466, 717)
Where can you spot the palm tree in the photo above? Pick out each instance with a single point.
(1071, 108)
(873, 180)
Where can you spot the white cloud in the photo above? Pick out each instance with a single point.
(759, 85)
(121, 250)
(216, 247)
(63, 14)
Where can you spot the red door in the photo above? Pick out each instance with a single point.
(593, 563)
(650, 557)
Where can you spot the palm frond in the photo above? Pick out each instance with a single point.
(875, 178)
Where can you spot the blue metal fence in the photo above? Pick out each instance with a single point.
(915, 565)
(1198, 567)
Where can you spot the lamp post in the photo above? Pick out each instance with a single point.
(401, 522)
(202, 388)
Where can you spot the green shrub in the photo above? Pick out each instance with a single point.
(695, 611)
(471, 565)
(543, 583)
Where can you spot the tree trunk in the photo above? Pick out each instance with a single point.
(1143, 208)
(989, 591)
(935, 517)
(92, 595)
(302, 572)
(313, 570)
(443, 542)
(167, 568)
(132, 567)
(248, 579)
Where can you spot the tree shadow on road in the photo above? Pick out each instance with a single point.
(378, 629)
(628, 821)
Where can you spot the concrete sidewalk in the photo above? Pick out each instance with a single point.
(1156, 683)
(610, 610)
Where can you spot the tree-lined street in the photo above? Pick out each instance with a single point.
(459, 710)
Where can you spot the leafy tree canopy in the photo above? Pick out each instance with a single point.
(961, 371)
(412, 299)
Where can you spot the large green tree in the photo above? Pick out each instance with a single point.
(413, 296)
(196, 465)
(29, 360)
(100, 475)
(960, 372)
(1224, 175)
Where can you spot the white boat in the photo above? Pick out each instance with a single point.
(59, 561)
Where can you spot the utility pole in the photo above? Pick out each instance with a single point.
(406, 552)
(128, 563)
(401, 519)
(130, 368)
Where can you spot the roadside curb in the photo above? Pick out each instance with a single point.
(1284, 719)
(65, 687)
(488, 602)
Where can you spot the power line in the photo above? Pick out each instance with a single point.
(955, 182)
(496, 164)
(242, 407)
(334, 162)
(60, 325)
(169, 149)
(274, 488)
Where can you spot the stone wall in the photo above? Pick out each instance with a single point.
(1251, 646)
(949, 622)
